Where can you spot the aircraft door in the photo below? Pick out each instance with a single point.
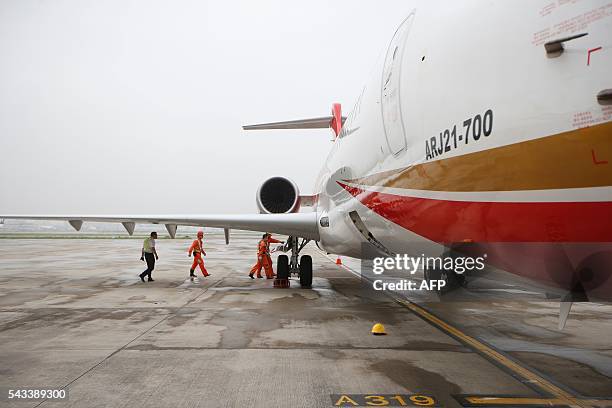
(390, 89)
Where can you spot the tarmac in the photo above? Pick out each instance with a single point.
(74, 315)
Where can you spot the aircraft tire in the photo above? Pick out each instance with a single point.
(282, 267)
(306, 271)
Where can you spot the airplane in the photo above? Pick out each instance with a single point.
(485, 126)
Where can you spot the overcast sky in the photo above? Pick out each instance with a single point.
(136, 107)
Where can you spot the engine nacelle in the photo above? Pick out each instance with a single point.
(278, 195)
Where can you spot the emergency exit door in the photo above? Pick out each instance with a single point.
(390, 89)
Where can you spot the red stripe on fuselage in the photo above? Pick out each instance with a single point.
(447, 221)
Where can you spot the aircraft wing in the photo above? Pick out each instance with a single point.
(303, 225)
(313, 123)
(335, 122)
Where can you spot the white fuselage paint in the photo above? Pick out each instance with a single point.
(459, 59)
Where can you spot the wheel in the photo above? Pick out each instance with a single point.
(282, 267)
(306, 271)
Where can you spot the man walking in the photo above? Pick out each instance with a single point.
(149, 254)
(197, 249)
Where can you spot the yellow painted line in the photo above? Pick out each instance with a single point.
(599, 402)
(558, 393)
(514, 401)
(532, 401)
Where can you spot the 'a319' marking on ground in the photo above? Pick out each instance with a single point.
(383, 400)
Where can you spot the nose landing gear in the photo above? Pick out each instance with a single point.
(286, 266)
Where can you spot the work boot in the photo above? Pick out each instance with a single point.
(251, 276)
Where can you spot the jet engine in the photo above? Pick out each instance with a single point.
(278, 195)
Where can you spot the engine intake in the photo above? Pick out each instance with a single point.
(278, 195)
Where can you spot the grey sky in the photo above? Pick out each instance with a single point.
(136, 106)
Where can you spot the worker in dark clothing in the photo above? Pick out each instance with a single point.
(149, 254)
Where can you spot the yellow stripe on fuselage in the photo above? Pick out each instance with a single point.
(576, 159)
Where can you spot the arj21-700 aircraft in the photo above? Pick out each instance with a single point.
(485, 122)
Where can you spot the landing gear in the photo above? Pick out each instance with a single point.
(306, 271)
(302, 266)
(282, 267)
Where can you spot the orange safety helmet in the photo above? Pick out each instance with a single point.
(200, 234)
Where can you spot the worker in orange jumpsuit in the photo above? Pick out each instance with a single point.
(263, 257)
(198, 250)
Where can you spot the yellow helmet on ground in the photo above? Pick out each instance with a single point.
(378, 330)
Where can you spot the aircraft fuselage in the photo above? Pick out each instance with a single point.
(470, 131)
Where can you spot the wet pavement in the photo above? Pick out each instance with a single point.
(74, 314)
